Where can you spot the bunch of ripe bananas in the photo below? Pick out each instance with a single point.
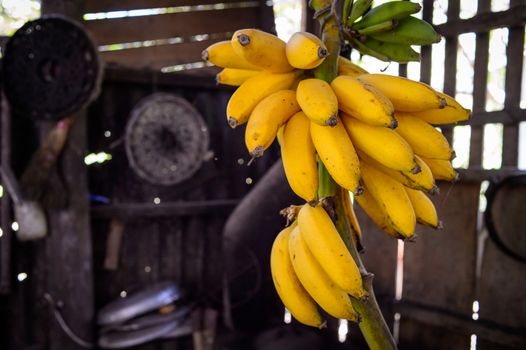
(373, 133)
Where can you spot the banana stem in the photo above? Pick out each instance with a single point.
(372, 323)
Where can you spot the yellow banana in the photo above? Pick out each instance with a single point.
(424, 208)
(289, 288)
(392, 199)
(351, 215)
(305, 50)
(452, 113)
(405, 94)
(222, 54)
(382, 144)
(299, 156)
(266, 118)
(261, 49)
(337, 153)
(425, 140)
(321, 288)
(234, 76)
(346, 67)
(252, 91)
(441, 169)
(327, 247)
(375, 213)
(423, 181)
(363, 101)
(318, 101)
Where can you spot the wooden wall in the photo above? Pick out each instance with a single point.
(445, 271)
(174, 33)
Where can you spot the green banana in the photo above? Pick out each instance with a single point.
(401, 53)
(365, 50)
(358, 9)
(390, 10)
(379, 28)
(410, 31)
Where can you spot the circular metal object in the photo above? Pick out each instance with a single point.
(51, 68)
(166, 139)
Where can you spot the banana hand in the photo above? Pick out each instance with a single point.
(295, 298)
(327, 247)
(321, 288)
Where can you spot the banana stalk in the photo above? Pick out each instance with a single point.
(372, 323)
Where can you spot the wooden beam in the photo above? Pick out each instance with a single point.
(157, 57)
(484, 22)
(91, 6)
(425, 51)
(126, 75)
(143, 28)
(131, 211)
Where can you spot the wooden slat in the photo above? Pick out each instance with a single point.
(512, 116)
(157, 57)
(186, 24)
(425, 51)
(514, 54)
(484, 22)
(479, 89)
(132, 211)
(91, 6)
(439, 269)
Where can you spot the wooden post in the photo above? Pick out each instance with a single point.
(68, 251)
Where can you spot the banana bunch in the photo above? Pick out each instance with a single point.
(374, 134)
(311, 266)
(387, 31)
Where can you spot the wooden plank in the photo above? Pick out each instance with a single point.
(502, 278)
(68, 247)
(484, 22)
(439, 268)
(514, 55)
(91, 6)
(425, 51)
(479, 89)
(510, 116)
(421, 335)
(157, 57)
(131, 211)
(5, 203)
(133, 29)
